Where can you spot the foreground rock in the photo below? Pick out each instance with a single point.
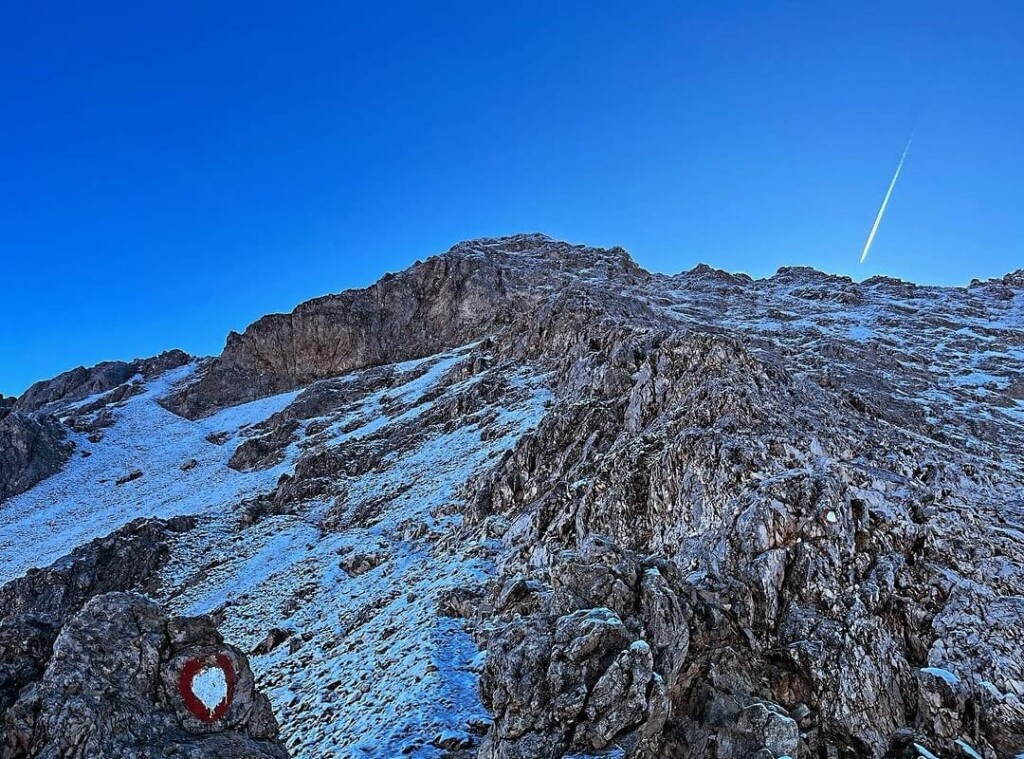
(35, 607)
(156, 687)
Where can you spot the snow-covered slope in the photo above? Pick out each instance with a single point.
(83, 501)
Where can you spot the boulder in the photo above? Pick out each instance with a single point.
(156, 687)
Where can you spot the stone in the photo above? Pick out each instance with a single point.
(141, 700)
(31, 449)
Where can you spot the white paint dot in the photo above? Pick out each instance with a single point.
(210, 687)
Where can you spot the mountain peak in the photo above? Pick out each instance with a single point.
(582, 506)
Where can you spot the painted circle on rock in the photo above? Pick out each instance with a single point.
(207, 686)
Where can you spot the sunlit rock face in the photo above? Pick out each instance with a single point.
(525, 499)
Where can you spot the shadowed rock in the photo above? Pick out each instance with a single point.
(31, 449)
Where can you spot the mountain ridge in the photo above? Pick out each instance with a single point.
(520, 243)
(530, 500)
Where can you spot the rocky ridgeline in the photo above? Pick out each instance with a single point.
(441, 303)
(752, 518)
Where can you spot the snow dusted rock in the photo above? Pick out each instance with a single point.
(77, 384)
(147, 692)
(127, 559)
(697, 515)
(762, 728)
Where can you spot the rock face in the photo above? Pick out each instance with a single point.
(525, 499)
(811, 543)
(441, 303)
(582, 667)
(31, 449)
(149, 691)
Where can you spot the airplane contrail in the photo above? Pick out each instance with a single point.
(885, 201)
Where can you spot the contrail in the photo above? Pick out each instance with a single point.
(885, 201)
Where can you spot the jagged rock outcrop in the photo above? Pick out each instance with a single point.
(26, 644)
(797, 517)
(443, 302)
(154, 687)
(124, 560)
(31, 449)
(82, 382)
(584, 659)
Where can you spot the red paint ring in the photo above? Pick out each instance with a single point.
(189, 670)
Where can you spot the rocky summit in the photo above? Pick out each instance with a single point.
(527, 500)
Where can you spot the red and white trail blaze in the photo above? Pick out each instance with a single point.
(207, 689)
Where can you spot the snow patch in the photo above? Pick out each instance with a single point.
(945, 674)
(83, 502)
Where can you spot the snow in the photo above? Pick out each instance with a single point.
(860, 333)
(968, 749)
(924, 752)
(980, 379)
(409, 394)
(379, 673)
(945, 674)
(82, 502)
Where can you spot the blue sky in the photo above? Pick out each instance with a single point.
(172, 171)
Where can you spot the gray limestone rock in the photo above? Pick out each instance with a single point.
(123, 682)
(31, 449)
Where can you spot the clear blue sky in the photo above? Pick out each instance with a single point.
(171, 171)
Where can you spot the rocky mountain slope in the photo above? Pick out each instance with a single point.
(526, 499)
